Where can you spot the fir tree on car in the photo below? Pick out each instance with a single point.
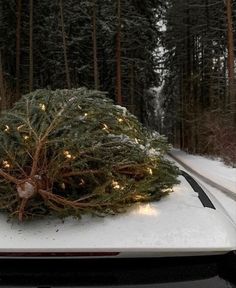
(71, 152)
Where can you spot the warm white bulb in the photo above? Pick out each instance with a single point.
(26, 137)
(19, 127)
(116, 185)
(105, 127)
(6, 164)
(7, 128)
(82, 182)
(42, 106)
(68, 155)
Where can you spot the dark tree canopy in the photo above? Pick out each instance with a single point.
(52, 38)
(127, 48)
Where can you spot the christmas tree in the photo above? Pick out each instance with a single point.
(71, 152)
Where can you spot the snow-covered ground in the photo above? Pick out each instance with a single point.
(215, 170)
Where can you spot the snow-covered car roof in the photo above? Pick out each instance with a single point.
(178, 224)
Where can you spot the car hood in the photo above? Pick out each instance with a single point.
(178, 224)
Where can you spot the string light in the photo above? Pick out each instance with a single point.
(26, 137)
(63, 186)
(117, 186)
(19, 127)
(7, 128)
(85, 114)
(105, 127)
(42, 107)
(120, 120)
(6, 164)
(82, 182)
(68, 155)
(150, 171)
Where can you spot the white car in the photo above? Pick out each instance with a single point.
(174, 231)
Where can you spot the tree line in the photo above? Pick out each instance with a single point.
(199, 94)
(127, 47)
(105, 45)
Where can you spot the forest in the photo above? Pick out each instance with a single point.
(170, 63)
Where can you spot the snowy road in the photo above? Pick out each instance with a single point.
(211, 171)
(227, 197)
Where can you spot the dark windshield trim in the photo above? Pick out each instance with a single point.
(206, 202)
(119, 272)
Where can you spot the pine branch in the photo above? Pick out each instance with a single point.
(22, 209)
(8, 177)
(80, 173)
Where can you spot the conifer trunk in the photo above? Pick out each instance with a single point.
(132, 84)
(31, 68)
(230, 39)
(64, 45)
(118, 55)
(95, 61)
(2, 86)
(18, 40)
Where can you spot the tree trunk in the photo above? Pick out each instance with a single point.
(64, 45)
(95, 61)
(132, 84)
(232, 92)
(31, 68)
(182, 109)
(187, 98)
(118, 55)
(18, 40)
(2, 86)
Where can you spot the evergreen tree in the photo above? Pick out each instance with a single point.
(61, 152)
(57, 52)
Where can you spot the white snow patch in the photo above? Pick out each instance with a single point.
(124, 110)
(215, 170)
(122, 138)
(153, 152)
